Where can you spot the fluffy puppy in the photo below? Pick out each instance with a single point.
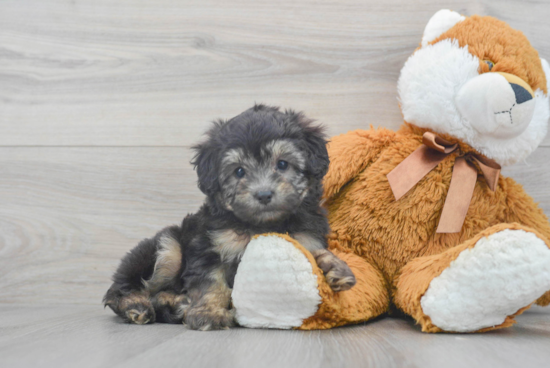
(261, 172)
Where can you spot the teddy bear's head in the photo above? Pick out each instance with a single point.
(477, 79)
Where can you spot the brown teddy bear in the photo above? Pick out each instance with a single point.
(422, 215)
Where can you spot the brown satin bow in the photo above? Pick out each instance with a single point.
(419, 163)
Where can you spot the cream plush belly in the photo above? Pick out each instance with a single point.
(503, 273)
(275, 286)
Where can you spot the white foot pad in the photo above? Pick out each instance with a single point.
(503, 273)
(275, 286)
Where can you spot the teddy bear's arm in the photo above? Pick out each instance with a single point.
(523, 209)
(350, 154)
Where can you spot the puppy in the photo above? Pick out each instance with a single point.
(261, 172)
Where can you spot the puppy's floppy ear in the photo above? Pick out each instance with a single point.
(206, 161)
(315, 145)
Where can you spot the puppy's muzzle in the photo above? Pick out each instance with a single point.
(264, 196)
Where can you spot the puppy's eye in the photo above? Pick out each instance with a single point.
(489, 63)
(239, 172)
(282, 165)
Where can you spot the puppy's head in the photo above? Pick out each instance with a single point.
(263, 164)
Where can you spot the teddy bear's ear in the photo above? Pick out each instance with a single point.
(546, 68)
(439, 23)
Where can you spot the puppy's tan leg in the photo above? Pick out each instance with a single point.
(210, 307)
(134, 307)
(339, 276)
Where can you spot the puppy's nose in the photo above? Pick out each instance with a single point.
(264, 196)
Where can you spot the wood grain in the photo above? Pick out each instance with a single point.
(68, 215)
(116, 73)
(99, 102)
(86, 336)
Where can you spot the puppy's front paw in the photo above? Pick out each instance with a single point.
(204, 318)
(337, 273)
(170, 307)
(340, 279)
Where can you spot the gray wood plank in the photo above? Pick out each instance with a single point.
(156, 72)
(86, 336)
(84, 84)
(72, 336)
(69, 214)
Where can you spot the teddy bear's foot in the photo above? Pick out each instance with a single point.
(275, 286)
(502, 274)
(280, 285)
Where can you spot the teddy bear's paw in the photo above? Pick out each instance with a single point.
(503, 273)
(275, 286)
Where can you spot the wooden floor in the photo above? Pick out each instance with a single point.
(100, 101)
(84, 336)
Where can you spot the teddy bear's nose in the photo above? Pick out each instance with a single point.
(521, 93)
(521, 88)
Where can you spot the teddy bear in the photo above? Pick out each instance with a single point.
(422, 215)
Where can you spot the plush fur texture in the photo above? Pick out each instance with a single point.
(434, 76)
(439, 23)
(395, 254)
(276, 268)
(468, 295)
(281, 286)
(498, 264)
(391, 234)
(261, 172)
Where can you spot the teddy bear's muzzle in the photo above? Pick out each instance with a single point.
(498, 105)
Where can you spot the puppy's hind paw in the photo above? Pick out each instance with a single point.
(134, 308)
(140, 315)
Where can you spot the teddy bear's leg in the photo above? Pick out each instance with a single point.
(369, 297)
(479, 285)
(544, 300)
(279, 285)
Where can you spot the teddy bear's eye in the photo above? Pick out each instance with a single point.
(490, 63)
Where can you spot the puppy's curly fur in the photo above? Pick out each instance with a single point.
(261, 172)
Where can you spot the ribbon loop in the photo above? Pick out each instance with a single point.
(437, 143)
(425, 158)
(490, 170)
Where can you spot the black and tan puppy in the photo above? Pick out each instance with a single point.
(261, 172)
